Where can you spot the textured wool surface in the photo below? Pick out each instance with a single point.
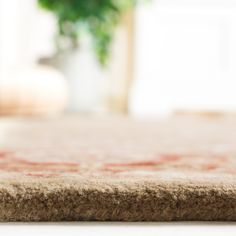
(119, 169)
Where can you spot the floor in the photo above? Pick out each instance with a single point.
(105, 229)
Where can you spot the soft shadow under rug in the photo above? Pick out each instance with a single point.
(66, 169)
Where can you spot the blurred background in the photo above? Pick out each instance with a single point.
(142, 58)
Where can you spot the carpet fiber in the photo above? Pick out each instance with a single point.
(117, 169)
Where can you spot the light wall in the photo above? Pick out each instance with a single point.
(25, 33)
(185, 57)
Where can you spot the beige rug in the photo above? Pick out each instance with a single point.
(118, 169)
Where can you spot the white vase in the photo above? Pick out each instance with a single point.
(88, 81)
(93, 88)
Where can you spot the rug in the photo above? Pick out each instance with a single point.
(118, 169)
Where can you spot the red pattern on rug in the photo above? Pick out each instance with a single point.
(10, 162)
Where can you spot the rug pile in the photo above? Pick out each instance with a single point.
(118, 169)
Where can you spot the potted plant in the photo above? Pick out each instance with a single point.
(85, 26)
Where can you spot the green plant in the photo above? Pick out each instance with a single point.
(96, 17)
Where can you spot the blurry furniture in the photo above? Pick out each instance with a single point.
(121, 68)
(32, 91)
(91, 88)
